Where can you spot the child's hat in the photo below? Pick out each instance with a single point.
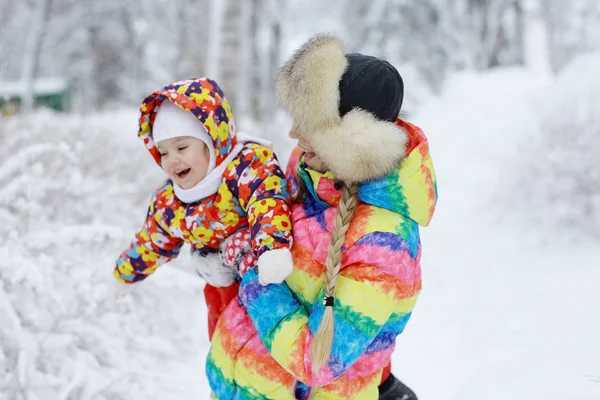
(171, 122)
(346, 106)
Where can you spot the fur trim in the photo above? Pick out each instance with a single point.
(361, 147)
(357, 147)
(308, 84)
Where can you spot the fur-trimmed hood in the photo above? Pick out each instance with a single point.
(409, 190)
(357, 146)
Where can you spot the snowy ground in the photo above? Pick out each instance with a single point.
(503, 315)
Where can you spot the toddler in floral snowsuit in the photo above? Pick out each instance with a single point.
(218, 182)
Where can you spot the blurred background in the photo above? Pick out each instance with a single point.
(110, 53)
(506, 90)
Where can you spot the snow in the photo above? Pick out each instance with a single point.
(503, 314)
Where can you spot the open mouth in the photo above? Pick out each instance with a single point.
(183, 173)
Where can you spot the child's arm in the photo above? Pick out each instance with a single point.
(264, 196)
(151, 247)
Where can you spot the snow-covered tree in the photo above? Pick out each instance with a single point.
(118, 51)
(73, 192)
(556, 182)
(574, 28)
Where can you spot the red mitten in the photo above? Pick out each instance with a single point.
(236, 252)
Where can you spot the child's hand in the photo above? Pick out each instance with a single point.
(274, 266)
(236, 252)
(213, 271)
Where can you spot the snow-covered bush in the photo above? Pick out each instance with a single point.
(557, 178)
(72, 191)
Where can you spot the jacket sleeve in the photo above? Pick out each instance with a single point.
(373, 303)
(151, 247)
(263, 195)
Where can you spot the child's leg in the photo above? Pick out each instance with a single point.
(216, 300)
(386, 372)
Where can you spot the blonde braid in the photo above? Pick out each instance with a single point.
(323, 340)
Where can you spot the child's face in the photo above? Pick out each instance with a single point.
(184, 159)
(313, 161)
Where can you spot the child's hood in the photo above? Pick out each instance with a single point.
(411, 189)
(206, 101)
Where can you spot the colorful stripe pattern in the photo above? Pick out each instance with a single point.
(377, 288)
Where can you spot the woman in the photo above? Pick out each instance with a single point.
(363, 182)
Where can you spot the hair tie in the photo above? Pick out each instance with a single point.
(328, 301)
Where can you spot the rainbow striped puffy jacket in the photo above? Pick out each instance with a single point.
(261, 347)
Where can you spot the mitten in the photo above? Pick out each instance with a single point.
(274, 266)
(236, 252)
(210, 268)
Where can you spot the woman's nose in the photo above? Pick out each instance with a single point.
(293, 134)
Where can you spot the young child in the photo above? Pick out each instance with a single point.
(218, 182)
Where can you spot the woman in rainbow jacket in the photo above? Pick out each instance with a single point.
(362, 181)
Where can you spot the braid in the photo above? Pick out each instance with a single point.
(323, 340)
(342, 223)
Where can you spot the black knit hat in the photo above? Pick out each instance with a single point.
(373, 85)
